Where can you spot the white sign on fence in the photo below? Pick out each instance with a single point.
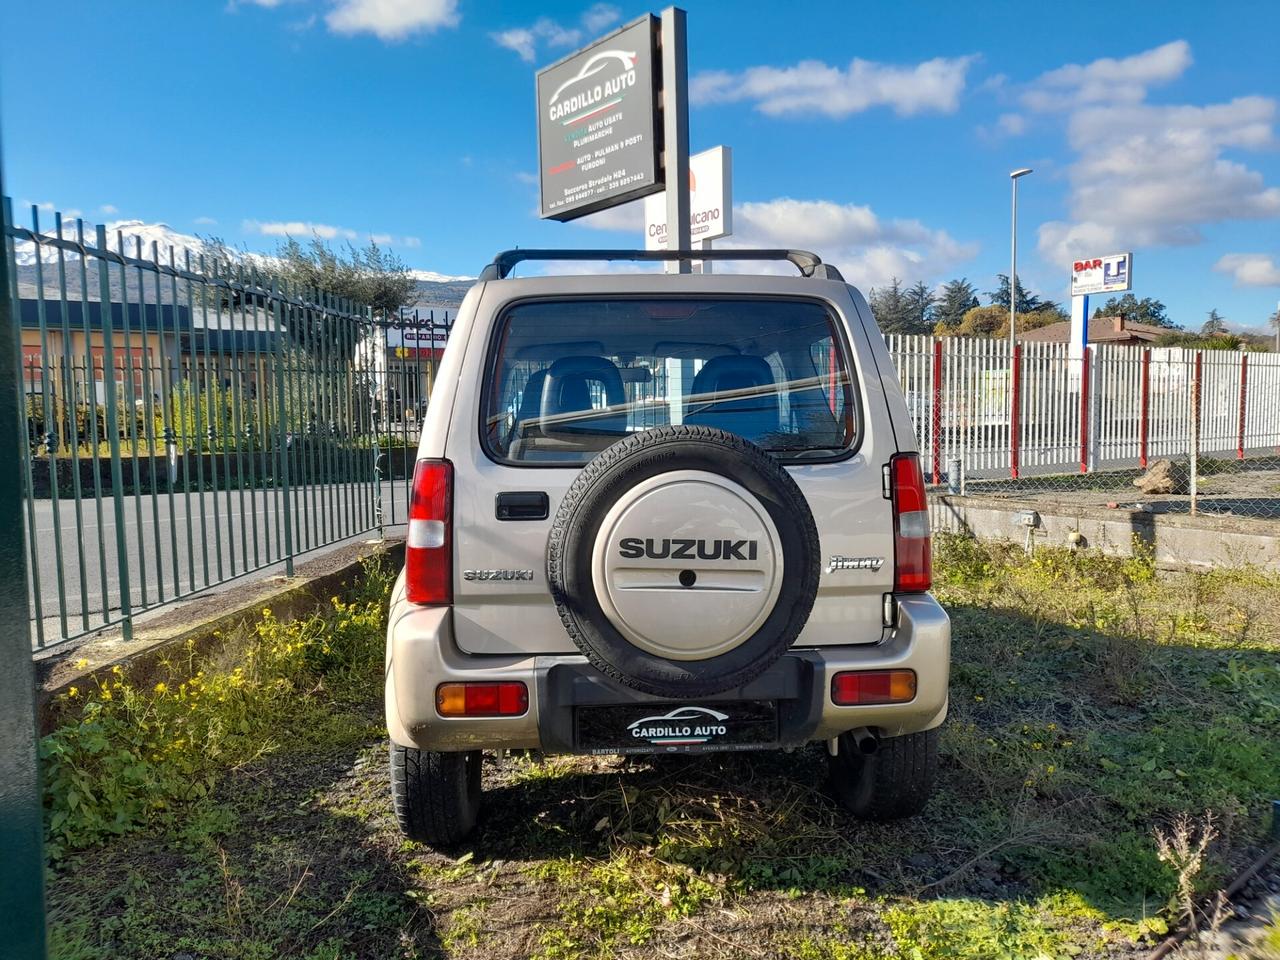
(710, 201)
(1109, 274)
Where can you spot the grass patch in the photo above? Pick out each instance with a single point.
(129, 754)
(1112, 748)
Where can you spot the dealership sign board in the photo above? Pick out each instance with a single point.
(424, 338)
(1111, 274)
(710, 201)
(598, 124)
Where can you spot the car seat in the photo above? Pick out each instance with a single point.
(751, 407)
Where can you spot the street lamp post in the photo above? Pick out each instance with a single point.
(1013, 255)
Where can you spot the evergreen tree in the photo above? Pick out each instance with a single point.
(1148, 310)
(1027, 302)
(1215, 324)
(958, 298)
(919, 302)
(889, 305)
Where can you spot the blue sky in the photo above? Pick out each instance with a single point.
(878, 134)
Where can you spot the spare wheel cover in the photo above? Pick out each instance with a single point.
(684, 561)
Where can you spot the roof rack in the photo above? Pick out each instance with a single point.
(809, 264)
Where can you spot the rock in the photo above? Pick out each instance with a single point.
(1160, 478)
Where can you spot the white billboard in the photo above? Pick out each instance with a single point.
(406, 339)
(1110, 274)
(710, 201)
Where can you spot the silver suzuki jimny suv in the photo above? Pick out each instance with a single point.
(665, 513)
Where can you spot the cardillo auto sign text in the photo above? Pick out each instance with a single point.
(598, 124)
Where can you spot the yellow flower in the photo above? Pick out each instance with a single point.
(978, 697)
(73, 692)
(161, 687)
(82, 663)
(1050, 768)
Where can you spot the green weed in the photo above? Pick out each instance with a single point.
(131, 754)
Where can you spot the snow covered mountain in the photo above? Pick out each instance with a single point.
(126, 232)
(430, 276)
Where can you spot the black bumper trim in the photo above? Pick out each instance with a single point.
(792, 683)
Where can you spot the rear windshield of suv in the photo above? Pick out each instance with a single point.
(570, 377)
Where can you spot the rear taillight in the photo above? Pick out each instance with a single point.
(912, 552)
(510, 698)
(428, 552)
(852, 688)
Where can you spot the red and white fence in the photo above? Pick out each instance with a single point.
(1109, 407)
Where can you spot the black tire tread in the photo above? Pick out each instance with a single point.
(793, 501)
(432, 796)
(893, 783)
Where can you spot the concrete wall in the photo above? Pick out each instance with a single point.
(1180, 542)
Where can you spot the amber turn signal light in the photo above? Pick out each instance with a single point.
(857, 687)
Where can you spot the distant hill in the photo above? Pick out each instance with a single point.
(433, 289)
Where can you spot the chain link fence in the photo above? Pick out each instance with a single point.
(1164, 430)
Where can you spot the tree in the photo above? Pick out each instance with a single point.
(1214, 325)
(919, 303)
(1148, 310)
(890, 307)
(1027, 302)
(958, 298)
(368, 276)
(993, 321)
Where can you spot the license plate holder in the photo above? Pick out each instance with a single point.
(676, 728)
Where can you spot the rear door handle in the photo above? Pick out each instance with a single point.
(522, 505)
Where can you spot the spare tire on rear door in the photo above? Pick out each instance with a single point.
(684, 561)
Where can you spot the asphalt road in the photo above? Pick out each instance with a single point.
(194, 543)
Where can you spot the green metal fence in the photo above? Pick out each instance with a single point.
(189, 420)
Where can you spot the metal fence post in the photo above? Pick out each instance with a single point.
(1195, 430)
(282, 432)
(113, 434)
(21, 821)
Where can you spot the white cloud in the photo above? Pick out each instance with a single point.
(298, 228)
(545, 32)
(107, 209)
(600, 17)
(1012, 124)
(392, 19)
(812, 86)
(324, 231)
(44, 206)
(1109, 80)
(1250, 269)
(1150, 174)
(527, 178)
(868, 250)
(204, 221)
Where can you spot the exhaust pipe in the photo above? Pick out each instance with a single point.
(865, 741)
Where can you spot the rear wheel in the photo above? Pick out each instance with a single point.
(436, 796)
(894, 782)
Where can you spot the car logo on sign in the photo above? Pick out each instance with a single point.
(684, 726)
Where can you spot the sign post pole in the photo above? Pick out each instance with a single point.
(675, 130)
(21, 825)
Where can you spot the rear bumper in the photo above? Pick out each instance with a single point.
(422, 653)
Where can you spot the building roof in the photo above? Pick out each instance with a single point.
(1101, 330)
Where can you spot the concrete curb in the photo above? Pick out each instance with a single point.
(206, 621)
(1178, 542)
